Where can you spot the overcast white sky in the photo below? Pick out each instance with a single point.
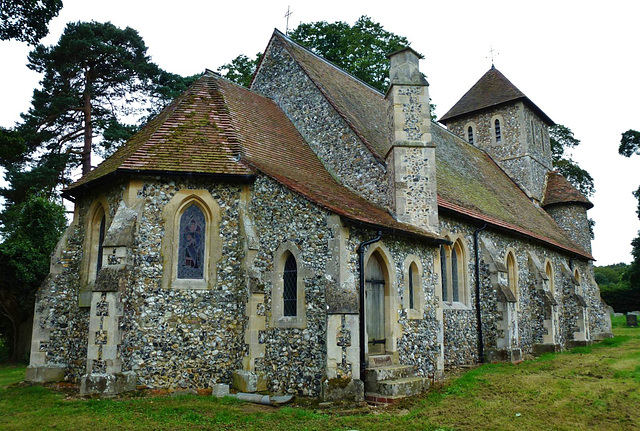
(577, 60)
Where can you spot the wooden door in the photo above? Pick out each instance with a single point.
(374, 312)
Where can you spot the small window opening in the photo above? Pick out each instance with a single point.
(443, 272)
(290, 291)
(498, 131)
(470, 134)
(411, 288)
(103, 223)
(455, 291)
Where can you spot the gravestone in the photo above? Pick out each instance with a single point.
(632, 320)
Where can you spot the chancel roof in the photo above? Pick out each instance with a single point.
(219, 128)
(491, 90)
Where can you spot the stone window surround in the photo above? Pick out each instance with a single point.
(548, 269)
(474, 130)
(171, 215)
(493, 129)
(97, 209)
(512, 272)
(464, 294)
(417, 312)
(278, 319)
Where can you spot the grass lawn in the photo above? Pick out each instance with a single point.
(595, 388)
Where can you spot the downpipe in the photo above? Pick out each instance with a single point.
(476, 233)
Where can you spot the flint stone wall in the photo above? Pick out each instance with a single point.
(523, 152)
(328, 135)
(62, 326)
(460, 334)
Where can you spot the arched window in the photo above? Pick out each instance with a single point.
(290, 287)
(443, 273)
(96, 231)
(191, 243)
(549, 271)
(455, 293)
(512, 274)
(288, 307)
(470, 135)
(497, 130)
(413, 277)
(453, 270)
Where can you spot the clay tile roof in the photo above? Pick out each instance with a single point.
(192, 134)
(560, 191)
(491, 90)
(218, 127)
(472, 185)
(357, 102)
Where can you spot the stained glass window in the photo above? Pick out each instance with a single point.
(290, 291)
(191, 244)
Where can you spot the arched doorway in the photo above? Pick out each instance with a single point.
(376, 285)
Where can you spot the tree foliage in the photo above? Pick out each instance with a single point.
(31, 230)
(562, 139)
(27, 20)
(241, 69)
(96, 81)
(360, 49)
(630, 143)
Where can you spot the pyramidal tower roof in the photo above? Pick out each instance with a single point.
(492, 90)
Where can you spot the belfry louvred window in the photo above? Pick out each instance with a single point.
(498, 131)
(290, 288)
(470, 134)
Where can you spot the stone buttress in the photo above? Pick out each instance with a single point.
(411, 161)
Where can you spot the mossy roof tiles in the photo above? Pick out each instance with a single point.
(560, 191)
(491, 90)
(469, 182)
(218, 127)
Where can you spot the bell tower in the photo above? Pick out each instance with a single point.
(496, 116)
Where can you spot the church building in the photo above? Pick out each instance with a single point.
(312, 236)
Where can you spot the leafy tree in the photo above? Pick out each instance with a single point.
(562, 139)
(27, 20)
(95, 78)
(630, 143)
(31, 231)
(360, 49)
(241, 69)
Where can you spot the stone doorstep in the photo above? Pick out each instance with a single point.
(389, 372)
(403, 387)
(377, 361)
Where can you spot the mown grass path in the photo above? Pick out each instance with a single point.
(593, 388)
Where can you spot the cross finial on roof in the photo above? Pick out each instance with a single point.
(493, 53)
(287, 15)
